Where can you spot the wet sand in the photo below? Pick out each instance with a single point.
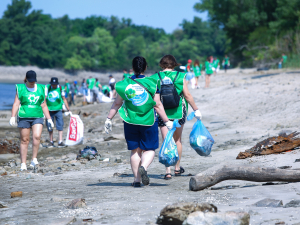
(239, 109)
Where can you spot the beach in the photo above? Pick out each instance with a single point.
(241, 108)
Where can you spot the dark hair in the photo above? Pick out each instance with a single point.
(196, 62)
(168, 61)
(208, 58)
(139, 65)
(96, 79)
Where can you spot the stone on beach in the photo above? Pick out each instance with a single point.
(76, 204)
(267, 202)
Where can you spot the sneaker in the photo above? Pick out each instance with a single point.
(34, 162)
(61, 145)
(49, 145)
(23, 167)
(145, 178)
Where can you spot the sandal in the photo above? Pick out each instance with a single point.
(168, 178)
(179, 172)
(136, 184)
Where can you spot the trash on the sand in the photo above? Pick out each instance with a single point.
(267, 202)
(28, 177)
(272, 145)
(4, 174)
(86, 114)
(75, 131)
(168, 154)
(9, 146)
(76, 204)
(2, 206)
(88, 152)
(200, 138)
(88, 220)
(106, 160)
(284, 167)
(16, 194)
(293, 203)
(297, 160)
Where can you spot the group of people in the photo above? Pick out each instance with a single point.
(139, 105)
(211, 66)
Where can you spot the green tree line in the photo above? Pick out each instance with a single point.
(96, 42)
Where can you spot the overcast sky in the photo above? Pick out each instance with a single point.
(166, 14)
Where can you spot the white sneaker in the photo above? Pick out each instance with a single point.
(23, 166)
(34, 162)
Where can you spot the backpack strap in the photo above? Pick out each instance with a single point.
(160, 77)
(141, 85)
(176, 77)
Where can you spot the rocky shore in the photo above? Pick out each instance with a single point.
(240, 109)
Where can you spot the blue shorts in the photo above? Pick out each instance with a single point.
(143, 137)
(29, 122)
(58, 118)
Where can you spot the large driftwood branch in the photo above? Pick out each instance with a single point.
(217, 174)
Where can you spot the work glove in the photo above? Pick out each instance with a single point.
(12, 121)
(108, 125)
(198, 115)
(68, 113)
(50, 122)
(169, 125)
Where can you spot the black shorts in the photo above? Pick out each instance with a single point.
(29, 122)
(112, 86)
(181, 121)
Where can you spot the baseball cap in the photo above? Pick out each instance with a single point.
(110, 75)
(31, 76)
(54, 80)
(189, 61)
(75, 82)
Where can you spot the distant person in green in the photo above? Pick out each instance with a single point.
(197, 70)
(131, 73)
(126, 74)
(283, 60)
(91, 84)
(208, 70)
(31, 108)
(106, 90)
(216, 63)
(55, 98)
(226, 63)
(67, 88)
(73, 91)
(98, 84)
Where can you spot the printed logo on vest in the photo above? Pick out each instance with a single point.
(136, 94)
(33, 98)
(53, 95)
(167, 80)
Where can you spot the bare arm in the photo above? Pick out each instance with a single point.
(15, 106)
(45, 110)
(66, 103)
(115, 106)
(159, 108)
(187, 95)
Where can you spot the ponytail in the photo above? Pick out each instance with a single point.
(25, 80)
(139, 65)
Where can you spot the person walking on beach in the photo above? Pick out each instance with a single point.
(73, 91)
(169, 76)
(67, 88)
(106, 91)
(189, 70)
(31, 107)
(112, 83)
(138, 102)
(125, 74)
(226, 63)
(55, 99)
(283, 60)
(98, 85)
(84, 91)
(216, 64)
(197, 70)
(208, 70)
(91, 83)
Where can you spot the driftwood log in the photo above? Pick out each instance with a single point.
(272, 145)
(220, 173)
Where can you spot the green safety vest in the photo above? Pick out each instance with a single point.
(168, 78)
(284, 58)
(105, 88)
(126, 75)
(91, 83)
(216, 62)
(226, 61)
(138, 104)
(67, 86)
(30, 102)
(208, 67)
(54, 98)
(197, 70)
(97, 85)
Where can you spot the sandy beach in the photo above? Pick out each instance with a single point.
(240, 109)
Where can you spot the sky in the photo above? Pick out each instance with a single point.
(166, 14)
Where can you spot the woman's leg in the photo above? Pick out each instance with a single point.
(196, 81)
(36, 138)
(177, 139)
(147, 158)
(208, 81)
(24, 136)
(164, 131)
(135, 161)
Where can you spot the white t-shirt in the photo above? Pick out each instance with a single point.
(62, 91)
(112, 81)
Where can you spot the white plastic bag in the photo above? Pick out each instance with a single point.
(102, 98)
(75, 131)
(89, 96)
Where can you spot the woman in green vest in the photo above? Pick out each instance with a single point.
(168, 76)
(137, 103)
(208, 70)
(197, 70)
(31, 104)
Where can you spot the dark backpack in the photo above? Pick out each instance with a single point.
(168, 94)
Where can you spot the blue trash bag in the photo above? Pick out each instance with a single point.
(168, 154)
(87, 151)
(189, 76)
(200, 139)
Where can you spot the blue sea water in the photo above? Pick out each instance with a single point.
(7, 96)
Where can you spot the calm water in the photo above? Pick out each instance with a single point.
(7, 96)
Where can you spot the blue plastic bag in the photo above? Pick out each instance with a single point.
(189, 76)
(87, 151)
(200, 139)
(168, 154)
